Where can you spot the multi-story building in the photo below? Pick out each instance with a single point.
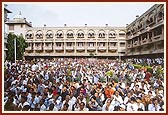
(145, 35)
(6, 11)
(70, 41)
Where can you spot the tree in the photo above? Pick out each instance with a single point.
(20, 47)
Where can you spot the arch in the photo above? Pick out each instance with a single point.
(39, 34)
(160, 13)
(49, 34)
(80, 33)
(70, 34)
(112, 34)
(91, 33)
(29, 34)
(150, 18)
(140, 23)
(101, 33)
(59, 34)
(122, 33)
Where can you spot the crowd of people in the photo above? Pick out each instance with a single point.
(81, 84)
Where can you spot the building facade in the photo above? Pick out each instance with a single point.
(6, 11)
(145, 35)
(70, 41)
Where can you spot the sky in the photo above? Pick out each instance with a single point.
(78, 14)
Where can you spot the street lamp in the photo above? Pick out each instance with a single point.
(15, 49)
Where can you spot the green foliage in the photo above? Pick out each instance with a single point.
(149, 69)
(20, 49)
(109, 73)
(137, 66)
(102, 79)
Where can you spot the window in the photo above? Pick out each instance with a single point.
(58, 44)
(21, 25)
(91, 44)
(69, 44)
(122, 44)
(102, 44)
(113, 44)
(11, 27)
(80, 44)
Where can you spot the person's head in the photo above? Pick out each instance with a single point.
(67, 98)
(51, 107)
(23, 99)
(81, 105)
(122, 107)
(108, 102)
(93, 99)
(65, 107)
(133, 100)
(116, 93)
(41, 102)
(26, 108)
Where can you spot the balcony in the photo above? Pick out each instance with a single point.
(129, 45)
(38, 48)
(58, 48)
(157, 38)
(145, 41)
(158, 51)
(69, 40)
(102, 40)
(91, 39)
(79, 48)
(136, 43)
(80, 40)
(102, 48)
(59, 40)
(91, 48)
(48, 48)
(113, 48)
(69, 48)
(28, 48)
(49, 39)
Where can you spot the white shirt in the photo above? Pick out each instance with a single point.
(151, 107)
(111, 108)
(141, 106)
(43, 108)
(132, 107)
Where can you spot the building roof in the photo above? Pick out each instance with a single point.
(8, 11)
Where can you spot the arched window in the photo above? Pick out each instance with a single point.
(39, 34)
(112, 34)
(80, 34)
(101, 34)
(91, 34)
(122, 34)
(70, 34)
(59, 34)
(49, 34)
(29, 34)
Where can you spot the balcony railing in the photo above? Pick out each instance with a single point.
(80, 48)
(112, 47)
(38, 48)
(91, 48)
(28, 48)
(58, 48)
(102, 48)
(48, 48)
(129, 46)
(157, 38)
(69, 48)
